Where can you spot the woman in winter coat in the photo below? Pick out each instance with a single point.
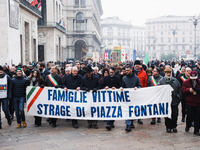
(35, 79)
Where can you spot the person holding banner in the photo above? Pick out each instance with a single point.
(130, 81)
(18, 91)
(35, 79)
(90, 82)
(111, 81)
(153, 81)
(53, 80)
(73, 81)
(191, 90)
(139, 71)
(4, 95)
(171, 123)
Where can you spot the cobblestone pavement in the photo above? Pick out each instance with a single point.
(144, 136)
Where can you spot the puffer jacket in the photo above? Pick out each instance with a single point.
(18, 87)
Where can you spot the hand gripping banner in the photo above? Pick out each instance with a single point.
(104, 104)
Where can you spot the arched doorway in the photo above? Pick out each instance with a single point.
(80, 49)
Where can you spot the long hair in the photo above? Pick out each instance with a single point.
(38, 77)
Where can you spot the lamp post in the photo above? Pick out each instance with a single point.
(154, 41)
(174, 31)
(195, 22)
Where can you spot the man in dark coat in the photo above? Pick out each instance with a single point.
(4, 95)
(18, 92)
(130, 81)
(153, 81)
(43, 71)
(171, 123)
(191, 90)
(53, 80)
(73, 81)
(80, 70)
(90, 82)
(111, 81)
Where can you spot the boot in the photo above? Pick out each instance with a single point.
(24, 124)
(18, 126)
(128, 128)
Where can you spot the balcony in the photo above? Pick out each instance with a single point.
(28, 6)
(60, 27)
(52, 25)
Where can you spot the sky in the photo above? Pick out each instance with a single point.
(137, 11)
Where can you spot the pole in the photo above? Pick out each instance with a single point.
(195, 25)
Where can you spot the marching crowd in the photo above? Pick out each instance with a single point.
(81, 76)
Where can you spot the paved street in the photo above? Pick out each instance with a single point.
(144, 136)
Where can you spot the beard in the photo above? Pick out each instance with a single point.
(168, 77)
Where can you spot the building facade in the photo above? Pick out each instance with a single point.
(51, 32)
(83, 28)
(119, 33)
(19, 32)
(171, 34)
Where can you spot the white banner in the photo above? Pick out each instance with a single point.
(101, 105)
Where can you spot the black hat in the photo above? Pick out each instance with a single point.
(161, 65)
(1, 68)
(88, 69)
(137, 62)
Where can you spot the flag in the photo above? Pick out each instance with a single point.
(60, 21)
(146, 59)
(64, 25)
(107, 54)
(34, 2)
(39, 7)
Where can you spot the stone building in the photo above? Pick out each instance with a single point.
(18, 30)
(119, 33)
(171, 34)
(51, 32)
(83, 28)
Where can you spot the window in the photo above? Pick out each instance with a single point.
(82, 2)
(79, 2)
(169, 40)
(183, 40)
(110, 31)
(176, 40)
(76, 2)
(80, 22)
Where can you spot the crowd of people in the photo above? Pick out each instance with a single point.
(82, 76)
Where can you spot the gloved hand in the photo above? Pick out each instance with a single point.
(94, 90)
(56, 86)
(87, 90)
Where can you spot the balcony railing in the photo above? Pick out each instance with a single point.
(32, 8)
(60, 27)
(52, 25)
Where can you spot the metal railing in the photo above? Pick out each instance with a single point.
(60, 27)
(52, 24)
(28, 5)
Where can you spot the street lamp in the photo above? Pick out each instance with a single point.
(174, 31)
(195, 22)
